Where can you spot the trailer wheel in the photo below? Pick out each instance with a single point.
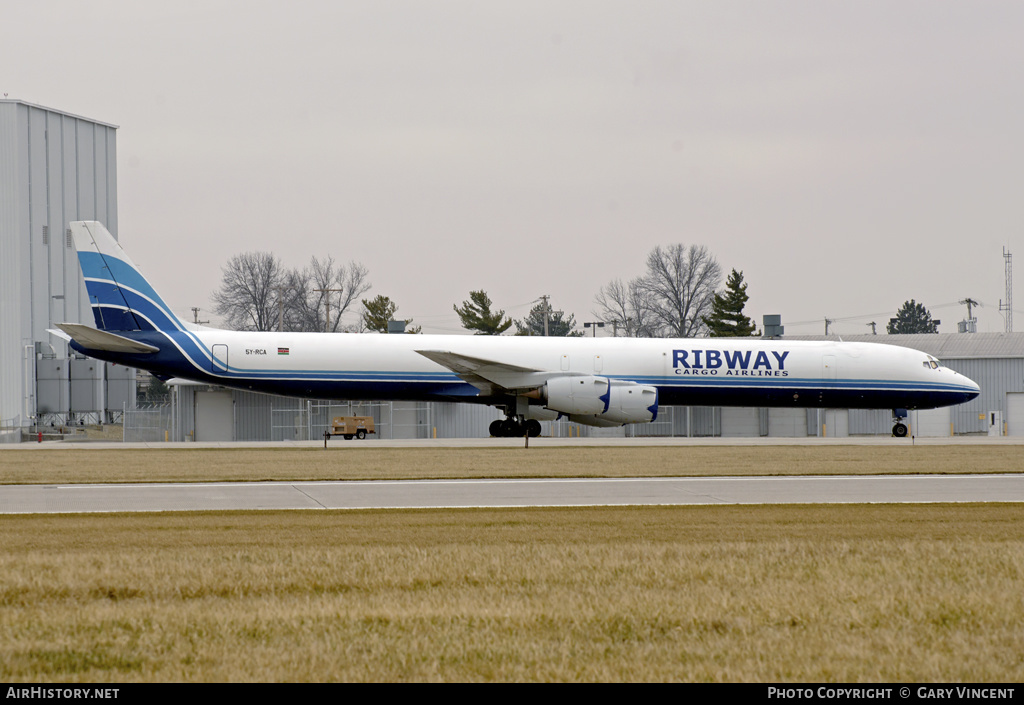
(360, 434)
(348, 436)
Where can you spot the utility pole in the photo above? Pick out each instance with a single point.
(969, 303)
(970, 325)
(828, 322)
(548, 312)
(195, 315)
(280, 305)
(872, 324)
(328, 292)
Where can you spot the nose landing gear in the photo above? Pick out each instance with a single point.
(899, 429)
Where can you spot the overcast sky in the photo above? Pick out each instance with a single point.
(845, 156)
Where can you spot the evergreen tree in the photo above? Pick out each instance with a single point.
(727, 319)
(156, 392)
(558, 323)
(476, 315)
(912, 318)
(380, 310)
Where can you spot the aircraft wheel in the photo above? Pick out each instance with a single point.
(497, 428)
(532, 428)
(899, 430)
(360, 434)
(511, 428)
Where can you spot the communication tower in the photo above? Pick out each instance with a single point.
(1008, 306)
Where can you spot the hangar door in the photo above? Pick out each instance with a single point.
(1015, 413)
(931, 423)
(740, 422)
(215, 416)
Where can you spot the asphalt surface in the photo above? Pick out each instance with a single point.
(509, 493)
(514, 492)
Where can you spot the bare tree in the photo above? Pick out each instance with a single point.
(681, 283)
(625, 306)
(320, 294)
(247, 297)
(257, 292)
(670, 300)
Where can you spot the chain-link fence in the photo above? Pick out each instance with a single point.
(149, 423)
(306, 420)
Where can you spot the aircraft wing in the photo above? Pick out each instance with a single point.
(490, 376)
(94, 339)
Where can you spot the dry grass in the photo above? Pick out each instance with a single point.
(348, 462)
(789, 593)
(839, 593)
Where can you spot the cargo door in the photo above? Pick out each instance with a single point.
(219, 361)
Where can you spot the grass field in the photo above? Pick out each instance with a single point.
(845, 593)
(366, 462)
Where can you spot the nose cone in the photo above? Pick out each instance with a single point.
(971, 388)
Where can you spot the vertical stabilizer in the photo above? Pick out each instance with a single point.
(121, 298)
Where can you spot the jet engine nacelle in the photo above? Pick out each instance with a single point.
(599, 401)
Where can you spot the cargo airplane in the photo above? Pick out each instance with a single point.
(592, 381)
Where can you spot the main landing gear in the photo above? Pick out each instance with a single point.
(514, 427)
(899, 429)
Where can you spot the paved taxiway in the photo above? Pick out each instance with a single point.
(509, 493)
(516, 492)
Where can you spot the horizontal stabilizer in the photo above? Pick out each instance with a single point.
(93, 339)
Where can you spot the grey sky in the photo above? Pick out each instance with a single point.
(845, 156)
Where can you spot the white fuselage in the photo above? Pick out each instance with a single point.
(720, 371)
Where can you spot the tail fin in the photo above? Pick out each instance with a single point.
(121, 298)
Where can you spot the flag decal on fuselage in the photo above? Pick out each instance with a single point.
(282, 351)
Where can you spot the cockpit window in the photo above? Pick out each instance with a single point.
(932, 363)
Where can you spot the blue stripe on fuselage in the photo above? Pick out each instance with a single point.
(384, 384)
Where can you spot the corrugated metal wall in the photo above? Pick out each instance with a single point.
(259, 417)
(996, 377)
(13, 324)
(54, 168)
(465, 420)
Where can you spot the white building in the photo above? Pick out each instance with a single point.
(55, 167)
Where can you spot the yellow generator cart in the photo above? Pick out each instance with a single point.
(349, 426)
